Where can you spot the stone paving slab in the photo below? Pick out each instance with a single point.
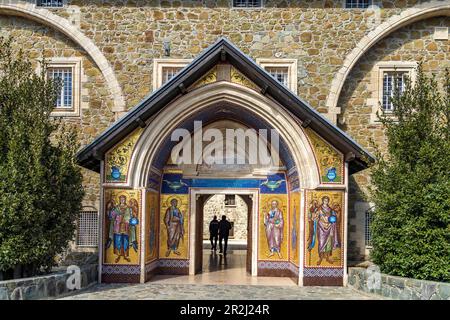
(149, 291)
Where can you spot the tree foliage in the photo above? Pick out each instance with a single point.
(411, 183)
(40, 184)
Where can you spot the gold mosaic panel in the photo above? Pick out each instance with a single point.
(330, 162)
(118, 158)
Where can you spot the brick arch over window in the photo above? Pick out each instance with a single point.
(45, 17)
(420, 12)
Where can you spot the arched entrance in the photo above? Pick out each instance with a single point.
(189, 183)
(225, 99)
(150, 199)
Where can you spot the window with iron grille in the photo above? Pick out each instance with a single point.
(358, 4)
(367, 232)
(279, 73)
(230, 200)
(65, 96)
(392, 80)
(87, 233)
(168, 73)
(50, 3)
(247, 3)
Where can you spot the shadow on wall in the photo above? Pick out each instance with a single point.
(356, 245)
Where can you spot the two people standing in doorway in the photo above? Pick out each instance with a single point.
(222, 230)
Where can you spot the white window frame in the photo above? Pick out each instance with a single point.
(247, 8)
(376, 83)
(394, 72)
(64, 3)
(440, 33)
(290, 64)
(75, 64)
(160, 64)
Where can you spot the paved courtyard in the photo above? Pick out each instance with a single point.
(223, 278)
(155, 291)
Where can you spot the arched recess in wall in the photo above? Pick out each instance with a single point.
(420, 12)
(47, 18)
(222, 92)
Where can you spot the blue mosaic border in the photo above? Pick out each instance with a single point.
(173, 183)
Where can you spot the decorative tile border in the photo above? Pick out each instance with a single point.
(323, 272)
(277, 265)
(121, 269)
(173, 263)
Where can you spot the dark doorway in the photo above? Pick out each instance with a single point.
(239, 254)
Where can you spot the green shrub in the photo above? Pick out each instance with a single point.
(40, 184)
(411, 183)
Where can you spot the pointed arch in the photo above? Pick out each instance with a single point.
(223, 92)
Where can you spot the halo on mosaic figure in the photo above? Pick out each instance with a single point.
(278, 199)
(178, 198)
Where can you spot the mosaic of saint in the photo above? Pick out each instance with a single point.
(324, 228)
(174, 226)
(273, 239)
(122, 226)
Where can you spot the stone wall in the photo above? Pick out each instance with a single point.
(399, 287)
(45, 287)
(319, 34)
(237, 214)
(413, 43)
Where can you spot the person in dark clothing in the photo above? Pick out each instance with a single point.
(224, 232)
(213, 232)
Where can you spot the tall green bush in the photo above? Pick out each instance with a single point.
(40, 184)
(411, 183)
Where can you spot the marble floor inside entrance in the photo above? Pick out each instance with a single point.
(218, 269)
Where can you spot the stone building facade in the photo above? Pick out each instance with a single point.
(340, 55)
